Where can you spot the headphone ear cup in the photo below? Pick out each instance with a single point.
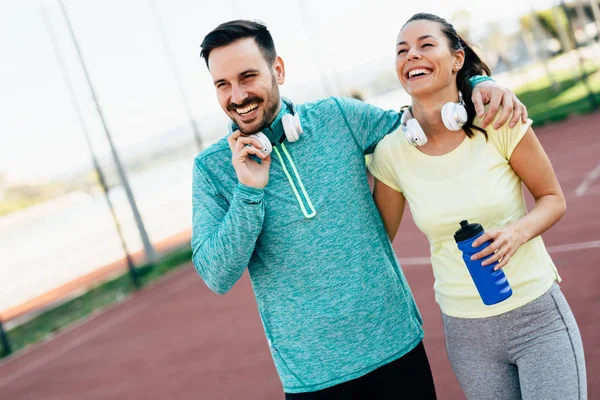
(267, 148)
(298, 124)
(454, 116)
(461, 113)
(406, 115)
(414, 133)
(291, 127)
(447, 119)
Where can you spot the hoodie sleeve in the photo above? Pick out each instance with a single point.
(367, 123)
(223, 235)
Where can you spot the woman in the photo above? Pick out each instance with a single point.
(527, 346)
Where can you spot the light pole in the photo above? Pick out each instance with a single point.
(148, 248)
(184, 98)
(101, 179)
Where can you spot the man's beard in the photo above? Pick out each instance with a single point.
(272, 103)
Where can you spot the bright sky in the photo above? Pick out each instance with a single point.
(39, 132)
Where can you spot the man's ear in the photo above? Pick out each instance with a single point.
(279, 70)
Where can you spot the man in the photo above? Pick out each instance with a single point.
(338, 314)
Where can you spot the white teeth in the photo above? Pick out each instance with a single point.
(418, 71)
(247, 109)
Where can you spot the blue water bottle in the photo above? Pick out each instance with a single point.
(493, 287)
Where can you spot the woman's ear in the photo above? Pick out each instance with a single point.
(459, 60)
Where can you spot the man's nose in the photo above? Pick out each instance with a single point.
(238, 94)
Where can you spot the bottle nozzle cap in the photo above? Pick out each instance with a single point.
(467, 231)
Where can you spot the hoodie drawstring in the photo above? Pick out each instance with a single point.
(285, 170)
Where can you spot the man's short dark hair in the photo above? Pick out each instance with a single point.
(232, 31)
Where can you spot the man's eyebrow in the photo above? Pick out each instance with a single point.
(240, 74)
(247, 71)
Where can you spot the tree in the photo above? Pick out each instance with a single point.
(554, 22)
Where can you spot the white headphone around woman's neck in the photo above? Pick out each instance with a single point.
(454, 116)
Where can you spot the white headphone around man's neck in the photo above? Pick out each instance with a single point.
(454, 116)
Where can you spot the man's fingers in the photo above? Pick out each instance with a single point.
(478, 102)
(524, 115)
(518, 111)
(507, 109)
(247, 150)
(492, 108)
(231, 139)
(266, 162)
(243, 141)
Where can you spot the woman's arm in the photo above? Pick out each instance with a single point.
(391, 207)
(532, 165)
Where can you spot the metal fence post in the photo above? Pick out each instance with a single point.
(4, 340)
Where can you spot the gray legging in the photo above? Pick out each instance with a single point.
(533, 352)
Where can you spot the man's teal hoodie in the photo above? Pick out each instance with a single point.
(333, 300)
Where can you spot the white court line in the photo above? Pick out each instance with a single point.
(415, 261)
(551, 249)
(574, 246)
(587, 181)
(87, 337)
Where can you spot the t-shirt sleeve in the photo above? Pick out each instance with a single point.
(381, 166)
(506, 138)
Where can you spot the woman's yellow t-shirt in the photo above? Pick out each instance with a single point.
(474, 182)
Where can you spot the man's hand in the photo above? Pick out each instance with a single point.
(248, 171)
(496, 95)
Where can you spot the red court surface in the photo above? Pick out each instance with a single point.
(178, 340)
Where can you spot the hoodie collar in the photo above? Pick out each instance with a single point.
(275, 131)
